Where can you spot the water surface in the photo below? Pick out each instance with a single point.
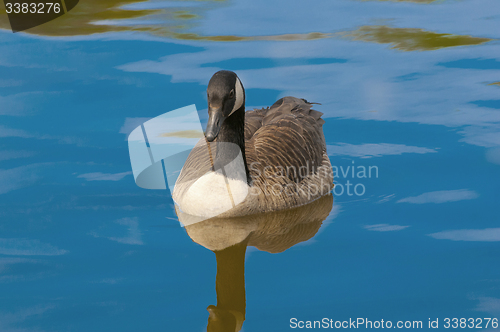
(409, 89)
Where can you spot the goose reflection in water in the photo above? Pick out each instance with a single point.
(229, 238)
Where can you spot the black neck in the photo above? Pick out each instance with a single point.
(232, 131)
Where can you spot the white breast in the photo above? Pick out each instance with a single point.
(212, 195)
(215, 192)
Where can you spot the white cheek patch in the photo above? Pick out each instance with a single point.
(239, 96)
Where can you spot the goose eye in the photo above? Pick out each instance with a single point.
(231, 94)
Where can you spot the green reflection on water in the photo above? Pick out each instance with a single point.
(184, 134)
(79, 20)
(495, 83)
(100, 16)
(185, 15)
(409, 39)
(230, 38)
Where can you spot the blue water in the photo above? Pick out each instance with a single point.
(82, 248)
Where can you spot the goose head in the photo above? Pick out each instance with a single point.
(225, 96)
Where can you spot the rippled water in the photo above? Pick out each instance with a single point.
(410, 93)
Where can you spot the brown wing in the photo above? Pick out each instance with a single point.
(253, 121)
(289, 138)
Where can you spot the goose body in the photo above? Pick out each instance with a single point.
(263, 160)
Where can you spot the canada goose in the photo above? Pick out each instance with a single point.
(263, 160)
(228, 238)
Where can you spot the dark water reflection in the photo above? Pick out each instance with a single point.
(229, 238)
